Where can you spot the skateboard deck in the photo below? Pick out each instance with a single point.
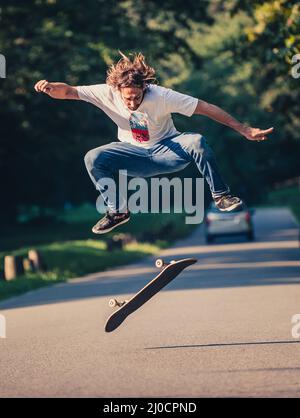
(166, 275)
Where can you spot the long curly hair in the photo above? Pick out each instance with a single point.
(130, 73)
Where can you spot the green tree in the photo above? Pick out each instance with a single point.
(43, 141)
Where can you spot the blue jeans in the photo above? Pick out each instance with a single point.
(166, 156)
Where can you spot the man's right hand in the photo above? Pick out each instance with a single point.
(56, 90)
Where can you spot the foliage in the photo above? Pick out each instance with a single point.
(272, 40)
(286, 196)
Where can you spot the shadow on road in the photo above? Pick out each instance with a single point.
(222, 345)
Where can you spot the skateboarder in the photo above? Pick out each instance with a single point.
(149, 142)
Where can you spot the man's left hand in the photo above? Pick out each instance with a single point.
(256, 134)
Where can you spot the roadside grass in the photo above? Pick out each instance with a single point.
(286, 196)
(70, 250)
(65, 260)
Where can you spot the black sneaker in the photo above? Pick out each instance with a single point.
(110, 221)
(227, 202)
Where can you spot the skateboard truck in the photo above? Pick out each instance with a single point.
(114, 302)
(159, 263)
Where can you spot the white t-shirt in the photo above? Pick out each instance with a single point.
(151, 122)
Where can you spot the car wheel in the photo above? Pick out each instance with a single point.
(250, 236)
(209, 239)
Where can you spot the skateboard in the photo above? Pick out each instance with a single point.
(168, 272)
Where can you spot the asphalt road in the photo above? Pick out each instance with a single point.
(222, 328)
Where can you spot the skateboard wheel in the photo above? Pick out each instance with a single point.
(159, 263)
(172, 261)
(112, 303)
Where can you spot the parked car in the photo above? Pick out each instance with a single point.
(236, 222)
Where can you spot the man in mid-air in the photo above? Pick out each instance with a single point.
(149, 144)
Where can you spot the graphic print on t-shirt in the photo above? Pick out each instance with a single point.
(139, 127)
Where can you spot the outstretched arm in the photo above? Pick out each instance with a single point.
(57, 90)
(216, 113)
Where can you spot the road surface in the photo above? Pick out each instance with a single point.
(222, 328)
